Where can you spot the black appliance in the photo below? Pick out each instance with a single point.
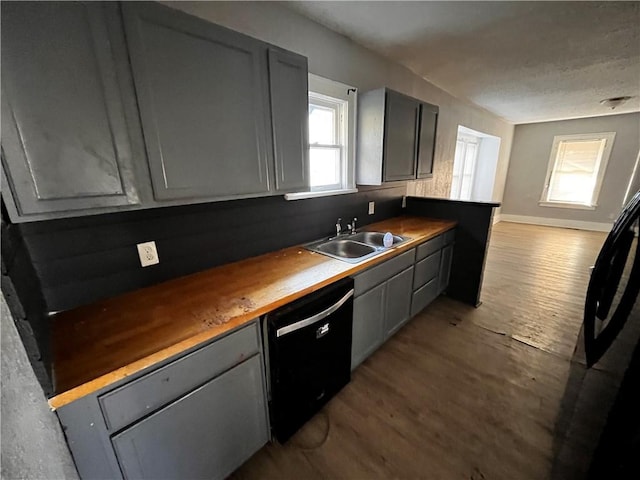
(309, 355)
(597, 432)
(614, 284)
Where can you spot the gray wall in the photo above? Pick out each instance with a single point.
(335, 56)
(32, 441)
(530, 157)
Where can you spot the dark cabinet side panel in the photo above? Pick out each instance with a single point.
(65, 136)
(288, 82)
(206, 434)
(202, 100)
(400, 137)
(427, 139)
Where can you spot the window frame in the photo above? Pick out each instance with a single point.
(326, 92)
(466, 139)
(609, 138)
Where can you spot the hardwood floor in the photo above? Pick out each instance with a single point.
(461, 393)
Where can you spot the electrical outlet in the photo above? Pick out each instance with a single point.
(148, 254)
(372, 208)
(404, 201)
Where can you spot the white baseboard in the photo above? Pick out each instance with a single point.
(497, 218)
(557, 222)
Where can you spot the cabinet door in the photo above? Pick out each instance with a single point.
(206, 434)
(427, 139)
(65, 139)
(445, 268)
(288, 82)
(368, 324)
(401, 117)
(202, 92)
(398, 301)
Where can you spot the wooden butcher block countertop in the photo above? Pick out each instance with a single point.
(99, 344)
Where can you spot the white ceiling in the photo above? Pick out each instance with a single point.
(523, 61)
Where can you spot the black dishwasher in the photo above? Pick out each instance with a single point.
(309, 355)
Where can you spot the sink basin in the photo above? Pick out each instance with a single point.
(375, 238)
(353, 248)
(345, 248)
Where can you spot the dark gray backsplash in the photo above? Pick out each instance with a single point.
(81, 260)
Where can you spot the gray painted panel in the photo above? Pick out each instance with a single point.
(131, 401)
(424, 296)
(206, 434)
(430, 246)
(65, 138)
(445, 268)
(400, 137)
(368, 324)
(88, 439)
(426, 269)
(427, 139)
(288, 81)
(370, 135)
(380, 273)
(398, 301)
(201, 97)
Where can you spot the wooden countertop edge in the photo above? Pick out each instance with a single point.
(137, 366)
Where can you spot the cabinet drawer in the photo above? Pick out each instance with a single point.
(378, 274)
(449, 237)
(129, 402)
(424, 296)
(430, 246)
(426, 269)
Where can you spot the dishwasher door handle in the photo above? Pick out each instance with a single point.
(314, 318)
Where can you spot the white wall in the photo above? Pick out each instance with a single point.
(335, 56)
(530, 157)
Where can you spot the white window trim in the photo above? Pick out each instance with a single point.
(467, 138)
(609, 137)
(324, 86)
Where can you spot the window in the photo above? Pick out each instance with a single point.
(464, 166)
(332, 110)
(576, 168)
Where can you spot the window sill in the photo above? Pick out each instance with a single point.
(322, 193)
(567, 205)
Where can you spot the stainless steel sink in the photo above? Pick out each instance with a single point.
(375, 238)
(354, 248)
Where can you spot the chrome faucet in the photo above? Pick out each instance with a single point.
(352, 226)
(338, 227)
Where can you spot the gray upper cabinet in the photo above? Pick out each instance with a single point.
(288, 83)
(396, 137)
(203, 101)
(400, 141)
(66, 128)
(427, 139)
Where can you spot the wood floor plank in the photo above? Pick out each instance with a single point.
(461, 393)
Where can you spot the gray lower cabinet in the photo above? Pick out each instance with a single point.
(67, 128)
(203, 101)
(205, 434)
(398, 301)
(381, 304)
(388, 295)
(368, 324)
(200, 415)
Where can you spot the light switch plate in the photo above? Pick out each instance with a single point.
(372, 208)
(148, 254)
(404, 201)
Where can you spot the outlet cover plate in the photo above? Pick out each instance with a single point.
(148, 253)
(372, 208)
